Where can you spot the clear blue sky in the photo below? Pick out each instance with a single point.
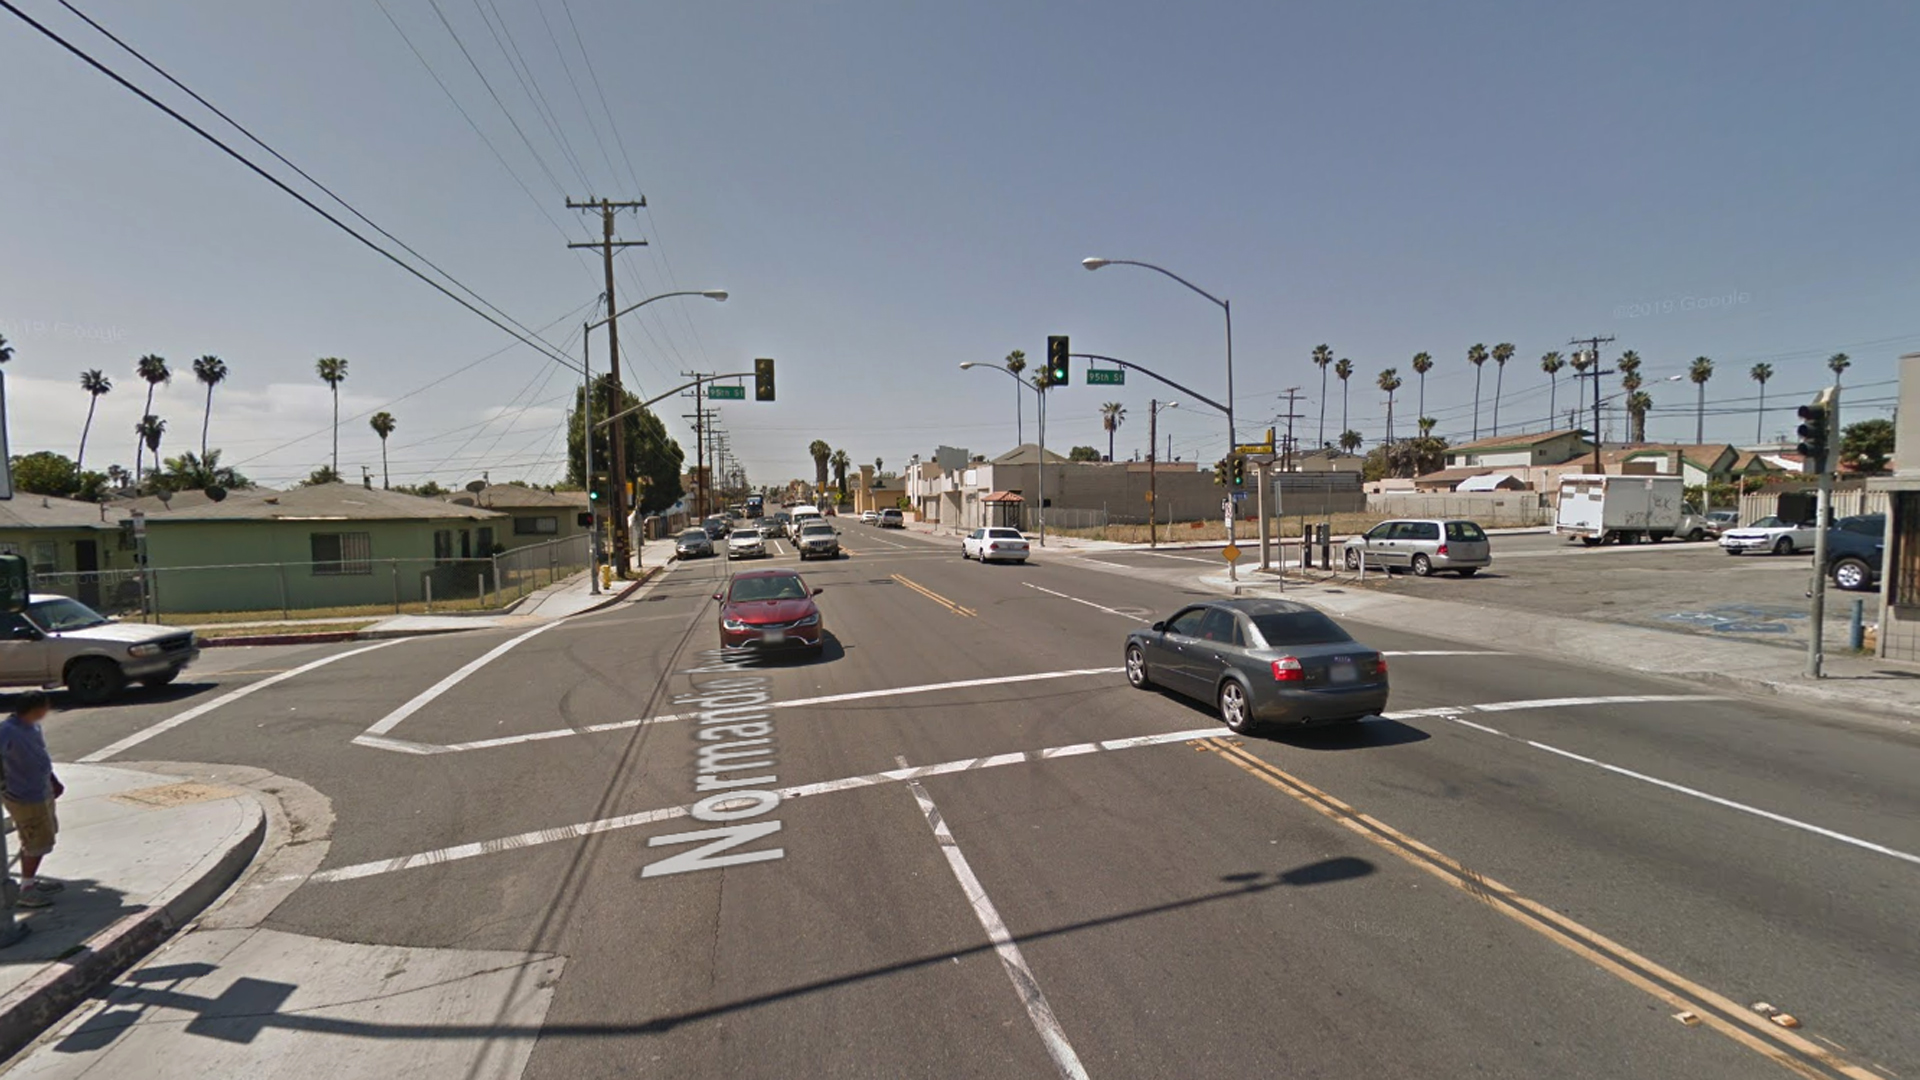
(890, 189)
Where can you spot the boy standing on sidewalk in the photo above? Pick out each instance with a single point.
(29, 788)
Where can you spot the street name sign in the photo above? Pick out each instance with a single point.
(728, 393)
(1103, 377)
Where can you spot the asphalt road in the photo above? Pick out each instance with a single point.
(1080, 878)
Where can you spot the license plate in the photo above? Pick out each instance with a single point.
(773, 637)
(1343, 673)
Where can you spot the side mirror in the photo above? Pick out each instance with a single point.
(24, 633)
(716, 596)
(1159, 627)
(817, 590)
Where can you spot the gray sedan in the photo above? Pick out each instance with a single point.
(1260, 661)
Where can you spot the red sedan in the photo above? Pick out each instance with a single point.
(769, 609)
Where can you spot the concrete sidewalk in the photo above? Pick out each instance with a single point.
(140, 853)
(1861, 688)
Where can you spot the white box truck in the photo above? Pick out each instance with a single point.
(1626, 509)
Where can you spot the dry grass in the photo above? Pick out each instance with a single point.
(283, 628)
(1216, 530)
(314, 615)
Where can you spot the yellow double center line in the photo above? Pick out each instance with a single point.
(936, 597)
(1790, 1051)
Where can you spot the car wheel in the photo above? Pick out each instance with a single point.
(1137, 668)
(162, 679)
(1469, 571)
(1353, 558)
(1783, 546)
(94, 680)
(1851, 574)
(1234, 707)
(1696, 536)
(1422, 566)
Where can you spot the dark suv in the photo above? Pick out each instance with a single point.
(1856, 547)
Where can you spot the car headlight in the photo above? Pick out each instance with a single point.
(149, 648)
(811, 620)
(732, 624)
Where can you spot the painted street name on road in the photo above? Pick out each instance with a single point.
(736, 733)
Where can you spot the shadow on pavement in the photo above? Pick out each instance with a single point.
(1375, 731)
(136, 694)
(78, 912)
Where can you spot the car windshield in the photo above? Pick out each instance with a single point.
(746, 534)
(1284, 628)
(781, 587)
(693, 534)
(1767, 523)
(61, 614)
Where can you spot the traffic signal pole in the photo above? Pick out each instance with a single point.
(1821, 422)
(586, 446)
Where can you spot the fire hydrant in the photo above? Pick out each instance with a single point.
(606, 577)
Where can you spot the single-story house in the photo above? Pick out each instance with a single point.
(1493, 481)
(538, 516)
(68, 544)
(1530, 449)
(1710, 463)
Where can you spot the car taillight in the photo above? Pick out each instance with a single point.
(993, 547)
(1288, 669)
(1380, 666)
(1442, 550)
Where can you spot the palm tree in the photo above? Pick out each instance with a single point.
(95, 383)
(1422, 363)
(1502, 353)
(1629, 367)
(1580, 362)
(1551, 363)
(333, 371)
(153, 369)
(118, 476)
(6, 350)
(877, 465)
(1017, 363)
(1700, 371)
(1427, 424)
(840, 464)
(1323, 356)
(148, 431)
(1343, 369)
(1761, 373)
(1638, 402)
(821, 454)
(213, 371)
(1838, 363)
(1390, 381)
(1477, 356)
(383, 425)
(1350, 440)
(1112, 415)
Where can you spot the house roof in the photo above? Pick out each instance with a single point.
(1003, 497)
(1492, 481)
(321, 502)
(1027, 454)
(1451, 475)
(25, 511)
(513, 497)
(1700, 456)
(1523, 441)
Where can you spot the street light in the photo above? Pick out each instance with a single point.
(615, 483)
(1040, 508)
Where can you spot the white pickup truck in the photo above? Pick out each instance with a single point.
(1627, 510)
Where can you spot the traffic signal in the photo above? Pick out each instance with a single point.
(1237, 470)
(763, 379)
(584, 519)
(1220, 472)
(1056, 373)
(1816, 432)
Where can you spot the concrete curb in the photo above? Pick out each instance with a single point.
(41, 1001)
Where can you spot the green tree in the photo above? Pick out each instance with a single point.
(654, 460)
(154, 370)
(1427, 424)
(1322, 358)
(95, 383)
(151, 429)
(1700, 371)
(1390, 381)
(1838, 363)
(1502, 353)
(383, 425)
(841, 463)
(333, 371)
(1638, 404)
(6, 350)
(1422, 363)
(1083, 453)
(188, 473)
(44, 472)
(322, 475)
(822, 454)
(212, 371)
(1350, 440)
(1867, 446)
(1477, 356)
(1112, 415)
(1017, 363)
(1761, 373)
(1344, 371)
(1405, 458)
(1551, 363)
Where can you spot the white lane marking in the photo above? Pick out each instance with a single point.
(228, 698)
(849, 783)
(1045, 1023)
(1444, 652)
(1704, 796)
(1089, 603)
(421, 700)
(1182, 558)
(1454, 712)
(860, 695)
(1108, 565)
(889, 543)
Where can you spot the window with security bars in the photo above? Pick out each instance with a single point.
(1904, 561)
(342, 553)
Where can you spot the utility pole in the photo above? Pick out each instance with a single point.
(1593, 346)
(1153, 472)
(699, 419)
(622, 547)
(1286, 458)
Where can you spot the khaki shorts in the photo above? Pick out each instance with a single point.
(36, 824)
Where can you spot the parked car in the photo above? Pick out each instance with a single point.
(1719, 521)
(1768, 534)
(868, 517)
(769, 609)
(1423, 546)
(1856, 551)
(994, 545)
(818, 540)
(717, 527)
(1260, 661)
(693, 544)
(746, 543)
(892, 519)
(59, 641)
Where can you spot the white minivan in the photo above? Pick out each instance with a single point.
(802, 515)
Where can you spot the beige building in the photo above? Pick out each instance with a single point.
(1900, 573)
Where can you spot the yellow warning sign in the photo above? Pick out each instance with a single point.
(1230, 553)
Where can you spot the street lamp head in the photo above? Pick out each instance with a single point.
(965, 364)
(715, 294)
(1171, 405)
(1093, 264)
